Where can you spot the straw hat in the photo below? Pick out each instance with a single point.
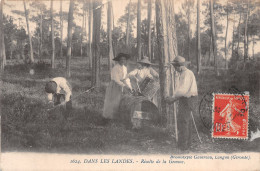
(117, 58)
(179, 60)
(145, 60)
(51, 87)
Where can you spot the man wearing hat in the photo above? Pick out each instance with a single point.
(116, 87)
(143, 70)
(56, 88)
(186, 93)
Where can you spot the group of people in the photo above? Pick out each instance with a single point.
(120, 83)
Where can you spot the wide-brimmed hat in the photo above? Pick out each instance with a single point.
(145, 60)
(179, 60)
(117, 58)
(51, 87)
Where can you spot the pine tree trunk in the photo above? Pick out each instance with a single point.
(128, 25)
(96, 40)
(69, 39)
(189, 30)
(167, 48)
(2, 56)
(149, 29)
(40, 49)
(29, 34)
(210, 51)
(90, 34)
(82, 32)
(246, 34)
(238, 35)
(61, 31)
(109, 33)
(139, 45)
(52, 38)
(253, 48)
(4, 53)
(233, 40)
(226, 62)
(213, 35)
(198, 38)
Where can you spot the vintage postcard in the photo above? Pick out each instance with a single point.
(130, 85)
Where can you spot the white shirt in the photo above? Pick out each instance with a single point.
(62, 85)
(118, 74)
(187, 84)
(141, 74)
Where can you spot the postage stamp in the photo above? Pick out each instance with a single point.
(230, 115)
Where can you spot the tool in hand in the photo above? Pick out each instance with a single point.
(195, 127)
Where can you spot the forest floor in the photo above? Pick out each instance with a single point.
(28, 126)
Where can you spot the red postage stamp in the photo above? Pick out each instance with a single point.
(230, 116)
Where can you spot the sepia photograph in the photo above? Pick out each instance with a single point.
(106, 79)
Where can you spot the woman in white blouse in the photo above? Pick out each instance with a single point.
(118, 84)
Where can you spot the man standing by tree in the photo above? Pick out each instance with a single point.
(185, 92)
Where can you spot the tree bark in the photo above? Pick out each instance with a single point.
(246, 34)
(233, 39)
(29, 34)
(82, 32)
(90, 33)
(61, 31)
(109, 34)
(139, 48)
(149, 29)
(210, 51)
(253, 48)
(226, 62)
(96, 40)
(238, 34)
(189, 30)
(2, 37)
(40, 50)
(198, 38)
(213, 35)
(128, 25)
(52, 38)
(69, 41)
(167, 48)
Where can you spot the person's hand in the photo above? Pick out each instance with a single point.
(150, 76)
(126, 90)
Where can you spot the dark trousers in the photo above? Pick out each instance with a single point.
(184, 120)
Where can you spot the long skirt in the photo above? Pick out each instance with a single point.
(112, 100)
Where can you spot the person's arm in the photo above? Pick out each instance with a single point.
(128, 83)
(49, 97)
(154, 73)
(132, 74)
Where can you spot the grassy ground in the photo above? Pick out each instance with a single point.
(28, 126)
